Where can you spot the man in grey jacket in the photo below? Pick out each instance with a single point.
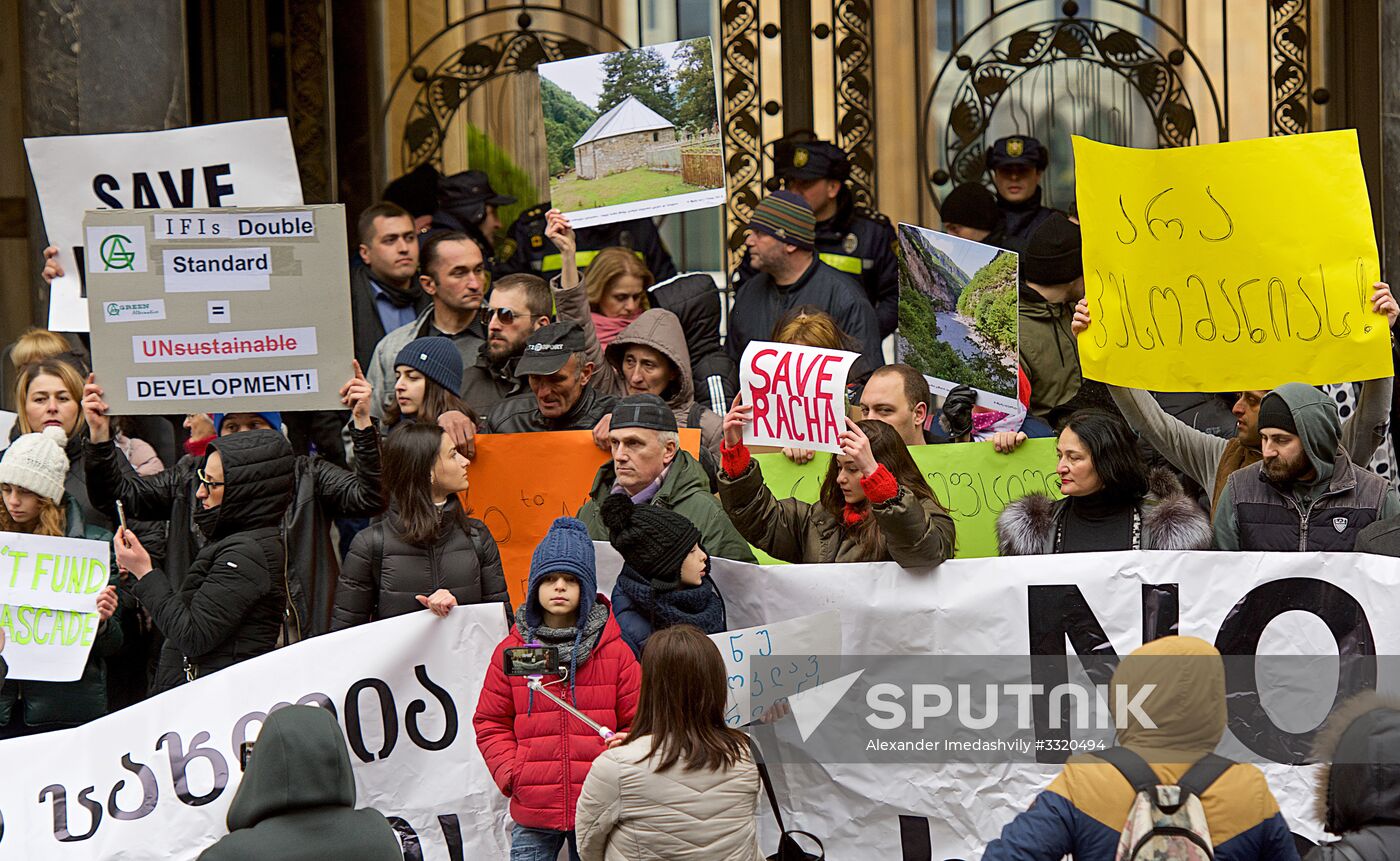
(1209, 460)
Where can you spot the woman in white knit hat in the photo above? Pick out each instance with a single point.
(31, 485)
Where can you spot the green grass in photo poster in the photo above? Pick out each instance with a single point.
(506, 176)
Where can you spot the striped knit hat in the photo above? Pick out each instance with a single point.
(785, 216)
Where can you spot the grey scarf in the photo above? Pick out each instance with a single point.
(574, 648)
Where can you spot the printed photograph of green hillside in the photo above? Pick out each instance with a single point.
(957, 310)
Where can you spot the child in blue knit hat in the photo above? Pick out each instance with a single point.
(539, 754)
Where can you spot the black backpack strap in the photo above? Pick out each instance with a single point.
(1133, 767)
(1199, 777)
(692, 419)
(767, 784)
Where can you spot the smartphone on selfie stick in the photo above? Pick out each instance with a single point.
(535, 662)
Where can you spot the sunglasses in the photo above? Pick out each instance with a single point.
(506, 314)
(204, 480)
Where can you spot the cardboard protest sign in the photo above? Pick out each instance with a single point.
(806, 639)
(1201, 276)
(518, 501)
(971, 480)
(220, 310)
(48, 603)
(957, 315)
(248, 163)
(798, 394)
(633, 134)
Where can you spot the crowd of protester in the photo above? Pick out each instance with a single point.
(462, 328)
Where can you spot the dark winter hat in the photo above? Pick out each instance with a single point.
(549, 349)
(436, 358)
(1274, 413)
(415, 191)
(1054, 254)
(274, 420)
(565, 549)
(651, 539)
(811, 160)
(469, 193)
(1017, 149)
(972, 205)
(643, 411)
(785, 216)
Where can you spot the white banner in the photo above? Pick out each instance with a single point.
(48, 603)
(154, 781)
(248, 163)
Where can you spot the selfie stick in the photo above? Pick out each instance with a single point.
(536, 685)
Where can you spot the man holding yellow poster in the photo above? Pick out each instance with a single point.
(1201, 277)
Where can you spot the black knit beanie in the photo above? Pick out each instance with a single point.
(1274, 413)
(971, 205)
(1054, 254)
(653, 540)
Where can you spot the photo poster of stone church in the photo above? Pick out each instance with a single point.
(633, 134)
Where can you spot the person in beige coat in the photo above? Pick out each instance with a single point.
(681, 786)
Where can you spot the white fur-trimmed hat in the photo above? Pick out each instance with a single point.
(37, 462)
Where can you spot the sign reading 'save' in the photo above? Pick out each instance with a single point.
(798, 394)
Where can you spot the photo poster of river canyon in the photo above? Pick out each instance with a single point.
(957, 314)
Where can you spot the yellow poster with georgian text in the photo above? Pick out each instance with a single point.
(1229, 266)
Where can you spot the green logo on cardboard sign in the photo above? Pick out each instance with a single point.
(115, 252)
(112, 310)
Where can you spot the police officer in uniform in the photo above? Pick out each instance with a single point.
(860, 243)
(527, 250)
(1018, 165)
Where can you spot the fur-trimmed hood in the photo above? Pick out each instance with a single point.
(1360, 750)
(1170, 520)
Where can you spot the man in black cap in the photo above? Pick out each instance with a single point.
(649, 466)
(466, 202)
(557, 369)
(1018, 164)
(970, 211)
(527, 249)
(848, 239)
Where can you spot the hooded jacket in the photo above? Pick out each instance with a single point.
(229, 605)
(696, 303)
(1171, 520)
(521, 414)
(686, 491)
(1049, 355)
(52, 705)
(539, 754)
(1358, 793)
(384, 573)
(656, 328)
(1327, 512)
(1083, 810)
(296, 801)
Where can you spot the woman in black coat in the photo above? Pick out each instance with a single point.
(230, 603)
(426, 551)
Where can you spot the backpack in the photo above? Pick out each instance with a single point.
(1166, 822)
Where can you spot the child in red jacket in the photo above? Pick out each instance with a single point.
(538, 753)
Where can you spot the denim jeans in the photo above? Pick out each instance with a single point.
(540, 844)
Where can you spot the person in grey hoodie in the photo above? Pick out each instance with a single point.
(1305, 494)
(1358, 793)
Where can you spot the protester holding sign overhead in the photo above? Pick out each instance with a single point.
(31, 483)
(228, 607)
(1110, 501)
(426, 552)
(324, 492)
(875, 504)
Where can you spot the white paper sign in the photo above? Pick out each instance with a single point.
(805, 639)
(798, 395)
(48, 603)
(248, 163)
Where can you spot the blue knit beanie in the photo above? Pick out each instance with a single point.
(274, 421)
(436, 358)
(566, 549)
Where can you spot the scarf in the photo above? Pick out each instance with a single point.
(700, 605)
(608, 328)
(198, 447)
(648, 493)
(574, 645)
(402, 298)
(852, 515)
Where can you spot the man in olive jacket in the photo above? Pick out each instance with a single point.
(650, 467)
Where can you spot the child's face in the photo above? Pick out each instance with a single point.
(559, 594)
(694, 566)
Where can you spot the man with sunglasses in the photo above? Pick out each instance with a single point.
(517, 307)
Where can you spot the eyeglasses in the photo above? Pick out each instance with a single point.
(506, 314)
(209, 485)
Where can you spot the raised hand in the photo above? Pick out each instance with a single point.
(95, 411)
(739, 415)
(856, 445)
(356, 394)
(1081, 319)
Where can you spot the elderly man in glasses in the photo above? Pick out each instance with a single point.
(518, 306)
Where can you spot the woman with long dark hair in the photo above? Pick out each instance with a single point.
(425, 551)
(1111, 502)
(428, 377)
(875, 504)
(682, 786)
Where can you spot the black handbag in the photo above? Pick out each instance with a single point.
(788, 847)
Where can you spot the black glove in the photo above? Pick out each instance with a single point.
(957, 412)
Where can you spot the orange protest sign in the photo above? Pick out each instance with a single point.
(520, 482)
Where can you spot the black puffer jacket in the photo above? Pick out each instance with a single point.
(229, 605)
(1359, 792)
(324, 492)
(384, 573)
(694, 299)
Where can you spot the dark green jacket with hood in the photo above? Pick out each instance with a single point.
(1049, 355)
(1358, 793)
(297, 799)
(1327, 512)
